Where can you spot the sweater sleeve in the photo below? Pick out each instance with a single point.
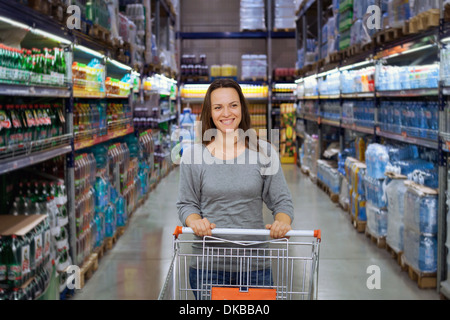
(276, 193)
(188, 201)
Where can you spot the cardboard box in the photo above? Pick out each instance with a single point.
(19, 225)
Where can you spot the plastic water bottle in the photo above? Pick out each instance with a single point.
(187, 122)
(428, 214)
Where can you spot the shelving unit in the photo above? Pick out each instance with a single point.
(415, 49)
(36, 29)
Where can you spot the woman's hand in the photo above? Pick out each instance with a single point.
(201, 227)
(280, 226)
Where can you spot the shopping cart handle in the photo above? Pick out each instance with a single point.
(250, 232)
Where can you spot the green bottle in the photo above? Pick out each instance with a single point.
(13, 254)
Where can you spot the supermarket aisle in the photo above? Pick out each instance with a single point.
(136, 267)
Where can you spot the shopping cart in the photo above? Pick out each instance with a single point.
(223, 268)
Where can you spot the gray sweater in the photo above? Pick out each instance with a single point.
(231, 193)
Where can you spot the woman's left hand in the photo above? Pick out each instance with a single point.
(278, 229)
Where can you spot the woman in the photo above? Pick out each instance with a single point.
(227, 187)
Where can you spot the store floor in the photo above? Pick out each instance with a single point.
(137, 265)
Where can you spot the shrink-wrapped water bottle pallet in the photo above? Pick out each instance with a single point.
(425, 280)
(380, 241)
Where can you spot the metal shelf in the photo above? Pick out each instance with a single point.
(409, 93)
(433, 144)
(33, 91)
(94, 140)
(358, 95)
(357, 128)
(33, 153)
(331, 122)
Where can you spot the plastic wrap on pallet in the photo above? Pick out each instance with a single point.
(344, 200)
(420, 250)
(328, 174)
(253, 66)
(421, 205)
(419, 6)
(374, 191)
(252, 15)
(395, 192)
(377, 158)
(377, 220)
(395, 234)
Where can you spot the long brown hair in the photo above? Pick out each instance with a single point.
(206, 117)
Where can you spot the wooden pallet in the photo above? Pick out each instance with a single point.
(88, 268)
(304, 170)
(43, 6)
(100, 33)
(334, 57)
(111, 241)
(100, 251)
(284, 30)
(397, 255)
(425, 280)
(254, 79)
(388, 35)
(283, 78)
(352, 51)
(121, 231)
(333, 196)
(379, 240)
(359, 225)
(424, 21)
(59, 11)
(447, 12)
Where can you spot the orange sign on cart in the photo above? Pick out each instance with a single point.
(220, 293)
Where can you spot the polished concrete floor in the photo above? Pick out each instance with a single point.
(136, 267)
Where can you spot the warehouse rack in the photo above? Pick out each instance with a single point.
(40, 31)
(402, 49)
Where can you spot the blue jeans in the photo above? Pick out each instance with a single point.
(226, 278)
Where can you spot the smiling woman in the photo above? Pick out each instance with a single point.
(231, 194)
